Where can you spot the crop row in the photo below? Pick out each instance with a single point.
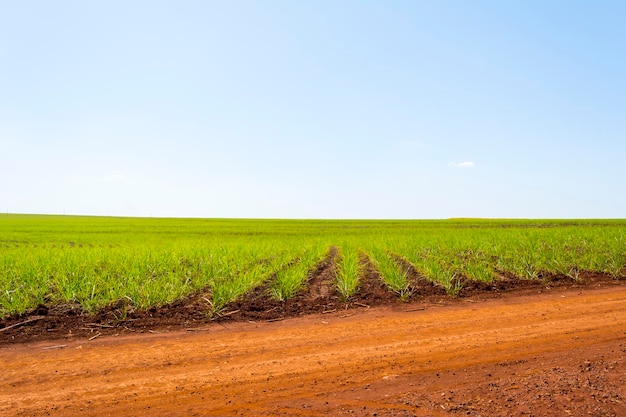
(223, 261)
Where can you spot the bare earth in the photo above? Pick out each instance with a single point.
(560, 352)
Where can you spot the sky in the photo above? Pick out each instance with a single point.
(314, 109)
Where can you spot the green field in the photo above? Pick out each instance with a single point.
(95, 262)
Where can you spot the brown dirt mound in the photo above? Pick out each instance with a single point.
(372, 290)
(420, 286)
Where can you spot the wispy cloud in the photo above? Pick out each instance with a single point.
(466, 164)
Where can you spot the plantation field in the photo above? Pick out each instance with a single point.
(90, 264)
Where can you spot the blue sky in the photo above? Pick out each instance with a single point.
(318, 109)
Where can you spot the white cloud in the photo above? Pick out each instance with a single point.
(466, 164)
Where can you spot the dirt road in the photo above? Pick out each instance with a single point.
(560, 352)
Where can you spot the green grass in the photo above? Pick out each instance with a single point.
(348, 271)
(289, 281)
(395, 275)
(94, 262)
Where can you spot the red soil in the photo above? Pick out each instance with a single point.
(539, 352)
